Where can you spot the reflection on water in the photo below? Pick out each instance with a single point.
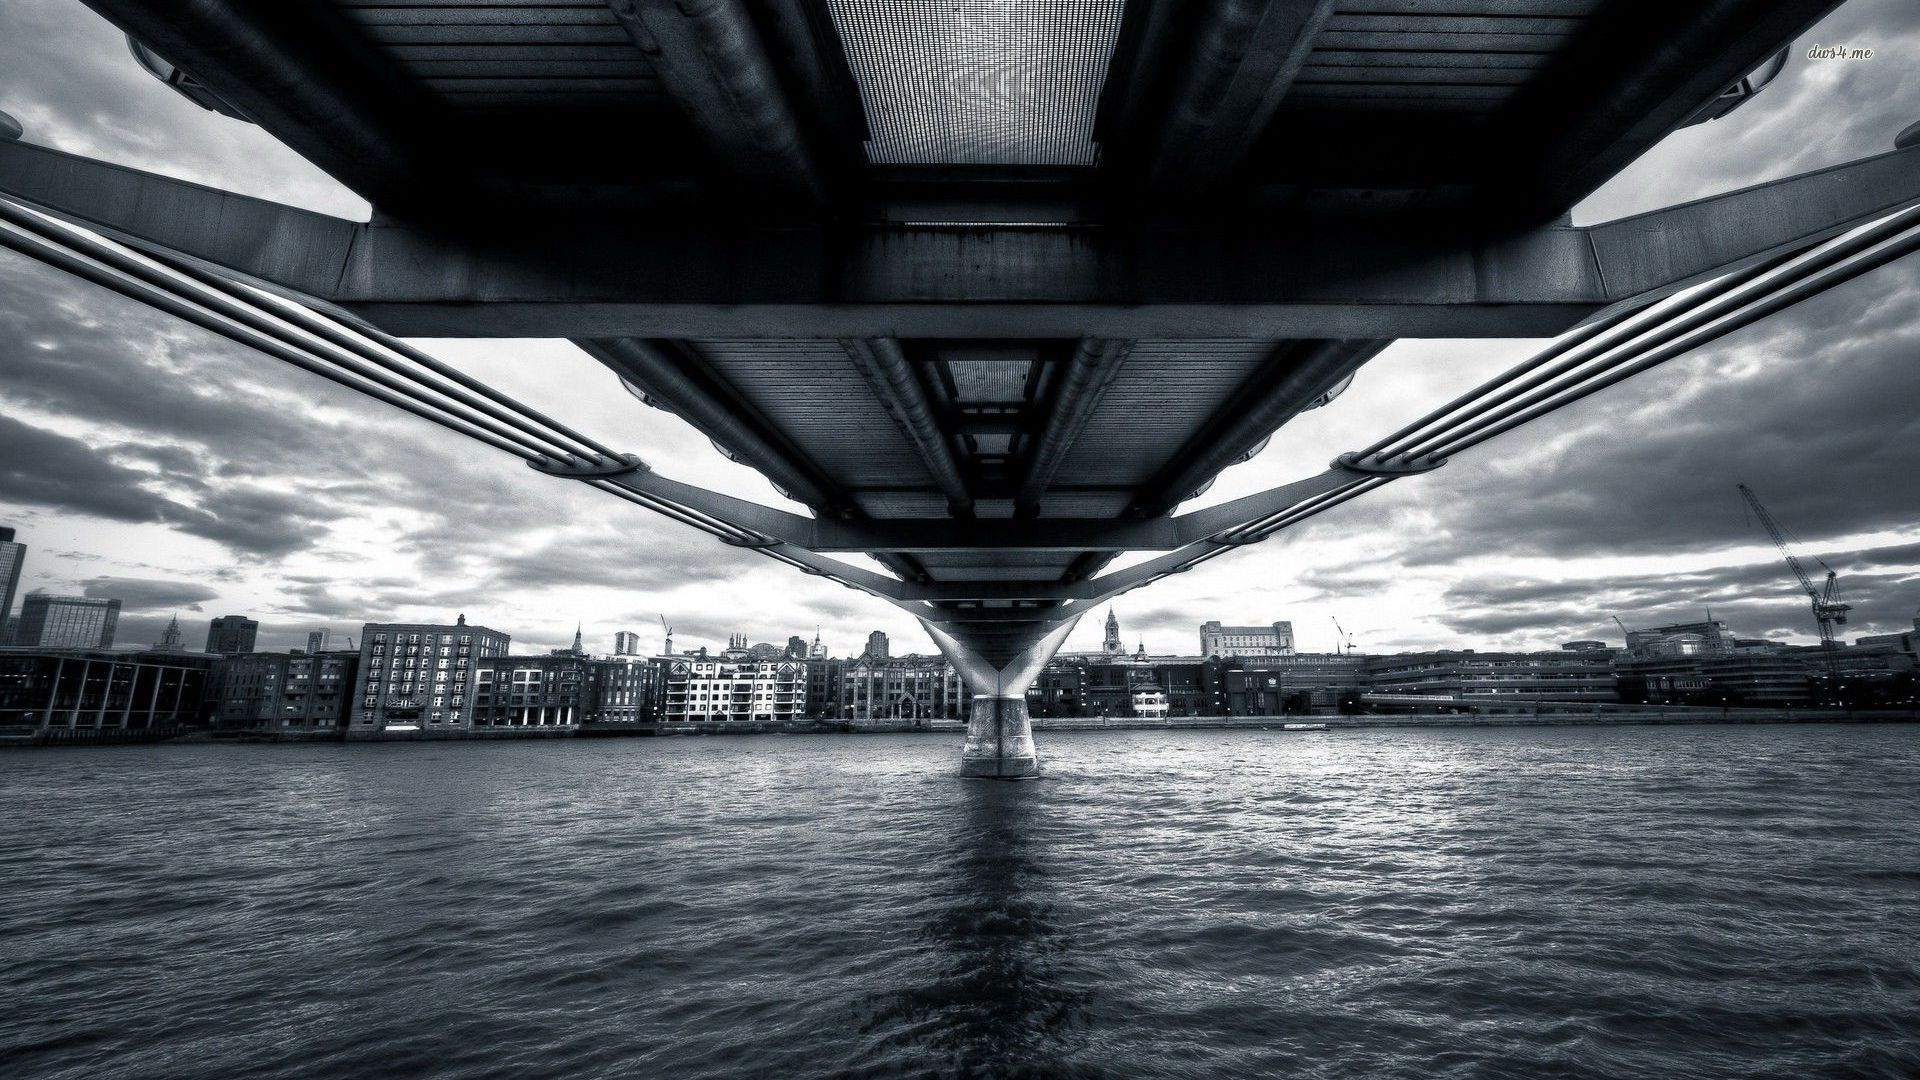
(1608, 902)
(997, 992)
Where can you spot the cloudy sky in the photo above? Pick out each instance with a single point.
(144, 460)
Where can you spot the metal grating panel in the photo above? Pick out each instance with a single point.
(979, 82)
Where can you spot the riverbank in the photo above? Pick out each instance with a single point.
(1619, 716)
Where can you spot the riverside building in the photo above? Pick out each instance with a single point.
(732, 688)
(1473, 677)
(419, 676)
(531, 691)
(284, 692)
(1291, 685)
(623, 690)
(80, 689)
(901, 688)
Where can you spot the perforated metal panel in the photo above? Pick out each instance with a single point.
(979, 82)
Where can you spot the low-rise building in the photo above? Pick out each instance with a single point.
(1748, 677)
(282, 692)
(91, 688)
(825, 680)
(732, 689)
(549, 691)
(623, 690)
(901, 688)
(1060, 689)
(1292, 685)
(1478, 678)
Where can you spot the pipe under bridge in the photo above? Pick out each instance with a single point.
(993, 342)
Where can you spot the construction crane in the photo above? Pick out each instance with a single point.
(1342, 636)
(1828, 611)
(667, 649)
(1624, 632)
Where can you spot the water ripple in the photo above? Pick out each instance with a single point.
(1597, 902)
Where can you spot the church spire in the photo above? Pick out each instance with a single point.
(1112, 645)
(579, 647)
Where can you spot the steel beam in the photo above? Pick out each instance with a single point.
(1078, 393)
(898, 389)
(713, 64)
(918, 536)
(685, 281)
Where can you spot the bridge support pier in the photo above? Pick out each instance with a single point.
(999, 731)
(999, 740)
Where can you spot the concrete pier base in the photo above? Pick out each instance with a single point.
(999, 741)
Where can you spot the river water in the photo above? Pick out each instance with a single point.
(1694, 901)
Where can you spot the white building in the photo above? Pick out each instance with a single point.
(1150, 701)
(1218, 640)
(733, 688)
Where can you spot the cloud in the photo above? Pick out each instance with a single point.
(149, 594)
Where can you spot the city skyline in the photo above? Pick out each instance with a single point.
(161, 475)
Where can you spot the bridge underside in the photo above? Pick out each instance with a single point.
(987, 297)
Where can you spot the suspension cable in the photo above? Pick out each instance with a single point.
(155, 281)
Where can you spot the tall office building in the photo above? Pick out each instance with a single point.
(67, 622)
(876, 646)
(420, 676)
(626, 643)
(232, 634)
(1273, 640)
(13, 556)
(318, 640)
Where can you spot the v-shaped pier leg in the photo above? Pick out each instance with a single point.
(999, 731)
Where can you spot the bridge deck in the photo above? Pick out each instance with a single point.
(958, 261)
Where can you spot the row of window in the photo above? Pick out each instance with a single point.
(415, 639)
